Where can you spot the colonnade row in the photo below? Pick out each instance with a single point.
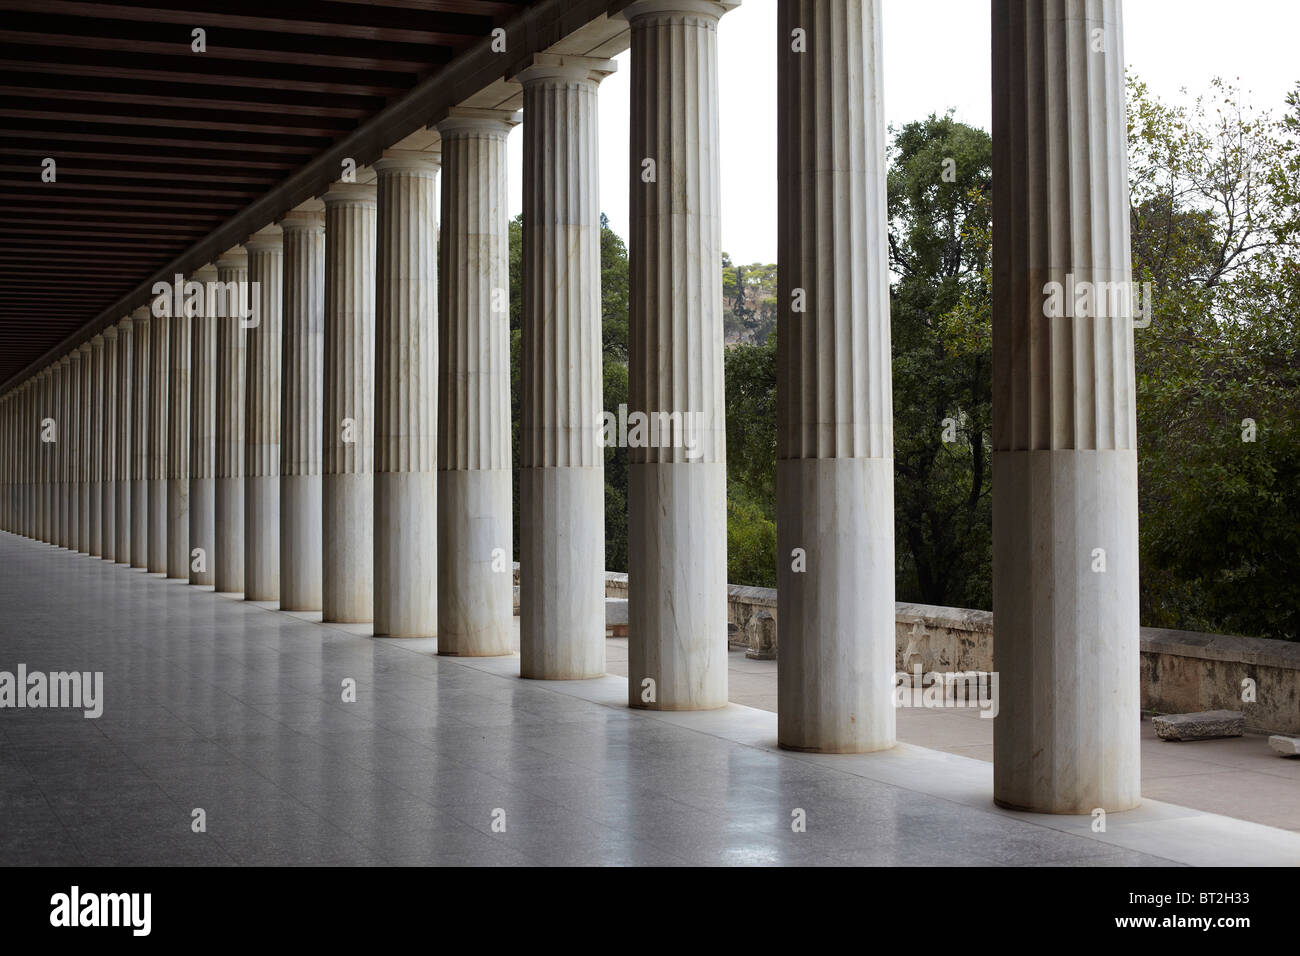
(349, 450)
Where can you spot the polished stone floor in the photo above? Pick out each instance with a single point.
(237, 710)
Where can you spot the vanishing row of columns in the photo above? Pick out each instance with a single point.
(349, 451)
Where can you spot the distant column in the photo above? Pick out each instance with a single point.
(159, 400)
(95, 449)
(108, 450)
(348, 488)
(406, 375)
(62, 447)
(142, 438)
(262, 418)
(227, 559)
(677, 488)
(85, 426)
(178, 441)
(475, 501)
(300, 409)
(203, 429)
(122, 431)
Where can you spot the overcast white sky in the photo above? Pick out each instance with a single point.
(936, 55)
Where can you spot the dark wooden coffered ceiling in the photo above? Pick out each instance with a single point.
(156, 145)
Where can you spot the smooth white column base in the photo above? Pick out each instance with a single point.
(108, 520)
(562, 597)
(348, 554)
(406, 569)
(122, 521)
(835, 672)
(475, 602)
(139, 523)
(261, 538)
(83, 517)
(677, 585)
(178, 528)
(95, 518)
(157, 525)
(202, 529)
(227, 557)
(1066, 738)
(300, 543)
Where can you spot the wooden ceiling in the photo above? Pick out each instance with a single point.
(155, 145)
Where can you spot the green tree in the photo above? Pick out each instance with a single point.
(939, 242)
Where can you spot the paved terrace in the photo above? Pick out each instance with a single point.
(236, 708)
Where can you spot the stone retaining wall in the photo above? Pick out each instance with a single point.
(1182, 671)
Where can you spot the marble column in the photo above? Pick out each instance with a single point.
(85, 427)
(48, 438)
(348, 485)
(834, 419)
(72, 453)
(177, 459)
(95, 450)
(204, 322)
(157, 425)
(475, 500)
(677, 509)
(561, 459)
(227, 557)
(123, 429)
(108, 450)
(406, 372)
(301, 408)
(262, 417)
(63, 415)
(142, 438)
(1065, 520)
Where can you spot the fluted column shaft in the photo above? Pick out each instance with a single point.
(835, 469)
(475, 533)
(406, 372)
(227, 561)
(85, 426)
(204, 365)
(562, 468)
(95, 450)
(108, 450)
(303, 357)
(123, 428)
(677, 532)
(47, 429)
(1065, 523)
(156, 453)
(142, 438)
(348, 485)
(262, 418)
(63, 416)
(71, 407)
(177, 469)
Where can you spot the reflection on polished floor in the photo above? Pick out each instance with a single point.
(227, 707)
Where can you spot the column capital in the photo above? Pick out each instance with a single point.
(235, 257)
(634, 10)
(267, 239)
(416, 162)
(349, 194)
(63, 362)
(460, 120)
(98, 341)
(141, 315)
(308, 217)
(204, 273)
(109, 334)
(560, 67)
(84, 348)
